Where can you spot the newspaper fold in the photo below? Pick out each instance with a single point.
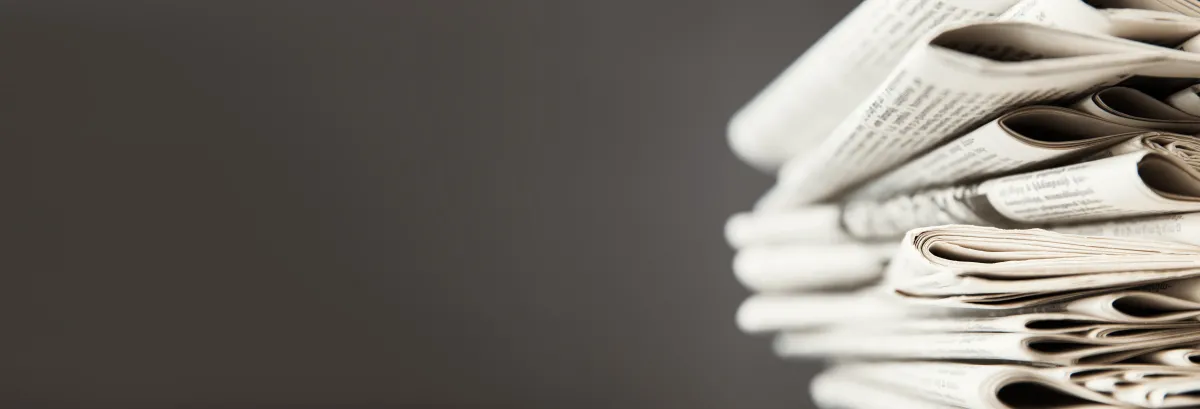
(1186, 148)
(1188, 356)
(1128, 106)
(1186, 100)
(1135, 307)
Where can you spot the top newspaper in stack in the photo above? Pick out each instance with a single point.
(808, 100)
(957, 79)
(812, 96)
(952, 80)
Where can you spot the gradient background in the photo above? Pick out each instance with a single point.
(503, 204)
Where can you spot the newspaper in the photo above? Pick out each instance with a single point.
(1132, 306)
(1160, 27)
(778, 312)
(1021, 139)
(794, 263)
(814, 224)
(1035, 137)
(1185, 148)
(1186, 100)
(960, 264)
(811, 267)
(803, 105)
(1192, 45)
(750, 229)
(1048, 349)
(1183, 7)
(1187, 357)
(833, 389)
(956, 79)
(1179, 228)
(1169, 393)
(1140, 183)
(1013, 386)
(774, 312)
(1167, 304)
(1131, 107)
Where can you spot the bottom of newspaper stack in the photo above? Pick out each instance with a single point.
(979, 317)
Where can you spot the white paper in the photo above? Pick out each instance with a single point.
(800, 107)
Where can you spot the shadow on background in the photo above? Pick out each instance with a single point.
(370, 203)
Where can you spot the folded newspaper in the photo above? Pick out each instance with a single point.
(958, 385)
(982, 204)
(1151, 173)
(960, 264)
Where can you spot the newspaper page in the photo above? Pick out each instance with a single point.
(798, 312)
(1165, 28)
(803, 267)
(1140, 183)
(1184, 7)
(1151, 386)
(991, 346)
(1186, 148)
(1161, 393)
(1186, 100)
(1155, 303)
(1192, 45)
(772, 312)
(1187, 357)
(804, 103)
(1179, 228)
(1169, 304)
(1013, 386)
(1128, 106)
(974, 386)
(956, 80)
(1074, 324)
(1098, 377)
(778, 227)
(957, 260)
(1132, 184)
(833, 389)
(1126, 303)
(1022, 139)
(818, 224)
(1103, 311)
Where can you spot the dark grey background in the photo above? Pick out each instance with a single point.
(509, 203)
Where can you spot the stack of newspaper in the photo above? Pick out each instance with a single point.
(983, 203)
